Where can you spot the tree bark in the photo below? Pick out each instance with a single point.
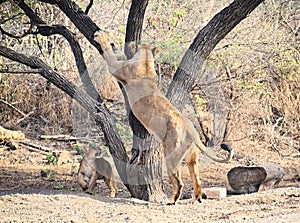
(134, 24)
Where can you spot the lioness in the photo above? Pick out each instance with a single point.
(176, 133)
(93, 168)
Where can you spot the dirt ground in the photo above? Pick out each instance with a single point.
(26, 196)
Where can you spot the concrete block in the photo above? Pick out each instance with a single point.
(215, 193)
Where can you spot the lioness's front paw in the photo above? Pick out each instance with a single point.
(103, 39)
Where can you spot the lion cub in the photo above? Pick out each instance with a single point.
(93, 168)
(176, 133)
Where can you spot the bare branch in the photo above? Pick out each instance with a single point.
(7, 71)
(11, 18)
(189, 70)
(89, 6)
(28, 11)
(26, 33)
(83, 23)
(134, 24)
(79, 59)
(46, 30)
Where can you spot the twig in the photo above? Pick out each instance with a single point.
(36, 147)
(24, 117)
(59, 137)
(89, 6)
(7, 71)
(10, 105)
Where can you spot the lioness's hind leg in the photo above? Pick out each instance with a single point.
(177, 187)
(192, 163)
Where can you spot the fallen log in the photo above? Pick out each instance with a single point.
(249, 179)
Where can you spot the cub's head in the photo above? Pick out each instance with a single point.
(86, 169)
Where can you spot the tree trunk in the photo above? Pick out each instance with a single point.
(185, 77)
(147, 153)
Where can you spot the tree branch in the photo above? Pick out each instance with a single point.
(78, 55)
(46, 30)
(28, 11)
(89, 6)
(84, 24)
(135, 24)
(189, 70)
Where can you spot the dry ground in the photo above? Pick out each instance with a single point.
(25, 196)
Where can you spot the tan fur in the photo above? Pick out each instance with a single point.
(176, 133)
(94, 168)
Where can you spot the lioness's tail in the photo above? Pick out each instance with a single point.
(211, 155)
(195, 137)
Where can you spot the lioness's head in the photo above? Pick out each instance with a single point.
(146, 49)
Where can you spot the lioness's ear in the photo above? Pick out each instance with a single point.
(156, 51)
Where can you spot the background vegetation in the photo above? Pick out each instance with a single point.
(257, 64)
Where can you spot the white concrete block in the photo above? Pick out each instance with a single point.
(215, 192)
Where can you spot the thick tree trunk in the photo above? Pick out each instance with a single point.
(147, 153)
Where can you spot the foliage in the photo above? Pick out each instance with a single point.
(51, 158)
(78, 149)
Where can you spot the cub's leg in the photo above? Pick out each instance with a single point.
(192, 163)
(92, 183)
(81, 181)
(111, 185)
(177, 186)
